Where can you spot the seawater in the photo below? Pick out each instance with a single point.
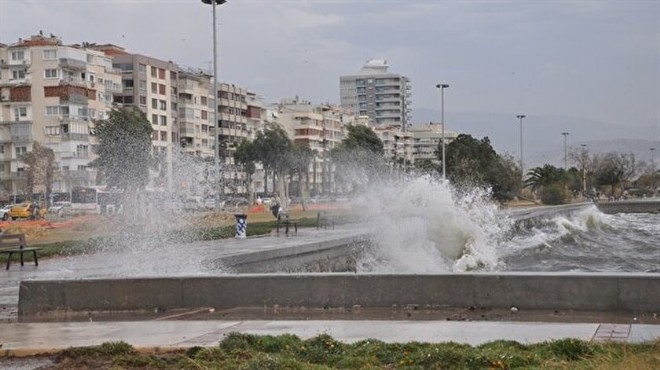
(424, 225)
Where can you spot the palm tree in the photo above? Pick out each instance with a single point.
(539, 177)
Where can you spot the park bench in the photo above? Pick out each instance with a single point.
(283, 220)
(323, 220)
(15, 243)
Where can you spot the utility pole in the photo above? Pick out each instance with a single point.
(565, 150)
(522, 170)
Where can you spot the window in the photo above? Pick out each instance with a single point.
(163, 120)
(163, 136)
(82, 167)
(50, 54)
(154, 119)
(20, 112)
(162, 90)
(204, 101)
(154, 103)
(21, 150)
(154, 72)
(51, 73)
(2, 150)
(90, 58)
(53, 110)
(53, 130)
(18, 74)
(205, 115)
(142, 68)
(163, 105)
(154, 88)
(143, 100)
(143, 85)
(172, 76)
(161, 73)
(18, 55)
(127, 84)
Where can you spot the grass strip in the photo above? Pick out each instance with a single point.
(246, 351)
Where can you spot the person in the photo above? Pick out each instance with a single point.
(275, 209)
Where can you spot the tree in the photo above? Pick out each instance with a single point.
(124, 149)
(616, 169)
(273, 148)
(540, 177)
(359, 156)
(246, 155)
(40, 168)
(549, 182)
(472, 162)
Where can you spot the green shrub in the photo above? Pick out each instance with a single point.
(554, 194)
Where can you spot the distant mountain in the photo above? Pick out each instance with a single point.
(543, 141)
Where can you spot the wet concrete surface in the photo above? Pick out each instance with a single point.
(152, 258)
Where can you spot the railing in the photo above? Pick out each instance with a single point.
(75, 137)
(69, 63)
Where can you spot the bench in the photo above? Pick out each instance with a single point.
(283, 220)
(15, 243)
(323, 220)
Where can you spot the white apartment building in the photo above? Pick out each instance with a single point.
(51, 93)
(426, 139)
(319, 127)
(195, 116)
(397, 144)
(373, 91)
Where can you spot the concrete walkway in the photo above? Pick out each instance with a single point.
(154, 258)
(23, 339)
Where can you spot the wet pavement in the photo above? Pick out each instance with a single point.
(152, 258)
(191, 259)
(23, 339)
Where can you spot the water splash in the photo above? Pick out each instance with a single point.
(423, 225)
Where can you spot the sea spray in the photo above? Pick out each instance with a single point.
(423, 225)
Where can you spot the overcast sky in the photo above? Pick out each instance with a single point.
(598, 60)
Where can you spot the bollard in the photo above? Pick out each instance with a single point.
(241, 225)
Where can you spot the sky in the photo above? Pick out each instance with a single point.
(593, 60)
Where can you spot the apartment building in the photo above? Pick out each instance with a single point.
(195, 117)
(51, 93)
(397, 144)
(151, 85)
(426, 139)
(381, 95)
(319, 127)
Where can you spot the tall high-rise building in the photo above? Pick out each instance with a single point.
(381, 95)
(50, 93)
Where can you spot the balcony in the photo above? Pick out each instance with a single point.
(73, 64)
(69, 136)
(79, 155)
(78, 175)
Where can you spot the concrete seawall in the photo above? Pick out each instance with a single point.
(80, 299)
(633, 206)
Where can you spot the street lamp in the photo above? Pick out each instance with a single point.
(652, 171)
(216, 154)
(584, 167)
(522, 171)
(442, 88)
(565, 152)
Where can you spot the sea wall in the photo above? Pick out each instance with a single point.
(633, 206)
(80, 299)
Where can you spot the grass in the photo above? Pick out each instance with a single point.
(245, 351)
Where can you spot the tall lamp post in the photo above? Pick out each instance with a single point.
(652, 171)
(522, 170)
(216, 154)
(584, 168)
(565, 152)
(442, 88)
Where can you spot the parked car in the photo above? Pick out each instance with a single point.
(60, 208)
(4, 212)
(27, 210)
